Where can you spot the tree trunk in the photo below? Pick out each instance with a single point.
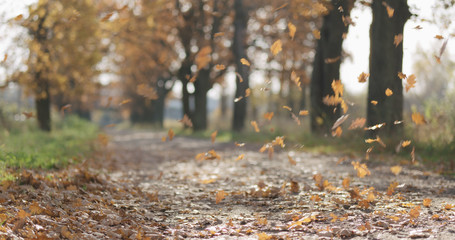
(385, 64)
(43, 109)
(325, 66)
(202, 86)
(240, 25)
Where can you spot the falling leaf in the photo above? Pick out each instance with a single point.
(357, 123)
(268, 115)
(439, 37)
(418, 118)
(240, 157)
(203, 57)
(346, 182)
(415, 212)
(390, 10)
(276, 47)
(123, 102)
(405, 143)
(239, 77)
(363, 77)
(163, 139)
(220, 195)
(340, 121)
(367, 152)
(107, 17)
(377, 126)
(396, 169)
(292, 30)
(410, 82)
(292, 161)
(170, 134)
(362, 169)
(391, 188)
(337, 132)
(239, 144)
(337, 88)
(247, 92)
(287, 108)
(213, 136)
(401, 75)
(332, 60)
(66, 107)
(245, 62)
(303, 112)
(28, 115)
(418, 27)
(218, 34)
(443, 48)
(397, 39)
(295, 188)
(374, 102)
(220, 67)
(238, 99)
(255, 126)
(388, 92)
(18, 17)
(427, 202)
(5, 57)
(186, 121)
(317, 34)
(413, 156)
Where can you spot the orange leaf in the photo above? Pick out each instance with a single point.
(317, 34)
(287, 108)
(106, 17)
(186, 121)
(418, 118)
(303, 112)
(28, 115)
(401, 75)
(240, 157)
(405, 143)
(245, 62)
(218, 34)
(292, 30)
(213, 136)
(292, 161)
(337, 132)
(295, 187)
(398, 39)
(357, 123)
(276, 47)
(18, 17)
(255, 126)
(374, 102)
(390, 10)
(362, 169)
(440, 37)
(170, 134)
(410, 82)
(415, 212)
(346, 182)
(220, 67)
(124, 102)
(388, 92)
(427, 202)
(247, 92)
(268, 115)
(264, 236)
(220, 195)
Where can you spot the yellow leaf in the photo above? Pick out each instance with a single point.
(276, 47)
(418, 118)
(338, 88)
(391, 188)
(263, 236)
(220, 195)
(240, 157)
(374, 102)
(448, 206)
(388, 92)
(427, 202)
(317, 34)
(220, 67)
(390, 10)
(287, 108)
(245, 62)
(396, 169)
(170, 134)
(397, 39)
(292, 30)
(371, 197)
(315, 198)
(410, 82)
(207, 181)
(268, 115)
(337, 132)
(405, 143)
(363, 77)
(5, 57)
(303, 112)
(255, 126)
(163, 139)
(415, 212)
(213, 136)
(362, 169)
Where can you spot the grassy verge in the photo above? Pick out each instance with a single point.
(25, 146)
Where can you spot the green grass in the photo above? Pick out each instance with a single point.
(25, 146)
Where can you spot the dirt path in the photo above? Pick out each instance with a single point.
(270, 198)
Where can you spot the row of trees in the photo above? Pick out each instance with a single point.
(152, 44)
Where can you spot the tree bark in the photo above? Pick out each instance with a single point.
(239, 51)
(202, 85)
(385, 64)
(43, 109)
(325, 66)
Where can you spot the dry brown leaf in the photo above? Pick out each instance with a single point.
(346, 182)
(170, 134)
(268, 115)
(389, 9)
(401, 75)
(220, 67)
(203, 57)
(295, 188)
(107, 17)
(363, 77)
(439, 37)
(397, 39)
(264, 236)
(292, 161)
(418, 118)
(391, 188)
(218, 34)
(332, 60)
(340, 121)
(186, 121)
(427, 202)
(317, 34)
(357, 123)
(124, 102)
(415, 212)
(247, 92)
(410, 82)
(362, 169)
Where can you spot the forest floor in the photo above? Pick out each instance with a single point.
(144, 188)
